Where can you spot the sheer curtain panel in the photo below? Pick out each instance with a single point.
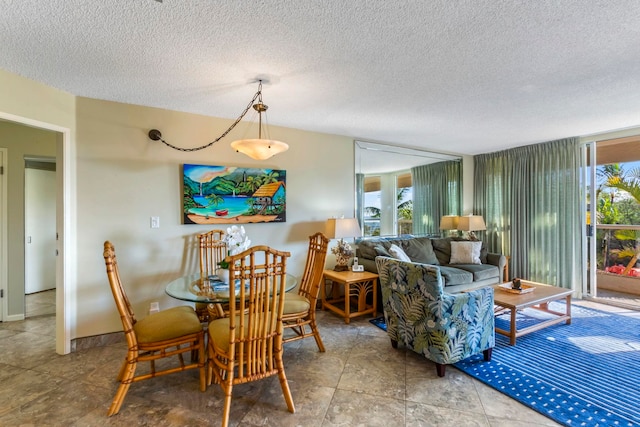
(530, 198)
(436, 192)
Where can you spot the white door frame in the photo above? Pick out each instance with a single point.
(66, 266)
(590, 264)
(4, 264)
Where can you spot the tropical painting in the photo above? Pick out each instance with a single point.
(231, 195)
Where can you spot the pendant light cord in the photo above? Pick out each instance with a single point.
(155, 134)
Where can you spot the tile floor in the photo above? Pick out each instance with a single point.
(40, 303)
(359, 381)
(620, 299)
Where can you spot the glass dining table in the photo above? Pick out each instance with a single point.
(209, 290)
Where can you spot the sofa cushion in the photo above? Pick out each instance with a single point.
(465, 252)
(398, 253)
(480, 271)
(455, 276)
(442, 248)
(420, 250)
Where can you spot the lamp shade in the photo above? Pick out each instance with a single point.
(449, 222)
(259, 149)
(338, 228)
(471, 223)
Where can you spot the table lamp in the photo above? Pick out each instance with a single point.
(449, 222)
(471, 223)
(339, 228)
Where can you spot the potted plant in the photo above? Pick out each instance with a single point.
(237, 241)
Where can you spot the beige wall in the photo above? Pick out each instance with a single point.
(121, 179)
(35, 101)
(124, 178)
(34, 104)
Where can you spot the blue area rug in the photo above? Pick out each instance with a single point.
(379, 322)
(583, 374)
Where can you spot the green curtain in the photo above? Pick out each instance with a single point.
(530, 198)
(436, 192)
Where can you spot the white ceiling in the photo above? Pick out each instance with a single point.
(459, 76)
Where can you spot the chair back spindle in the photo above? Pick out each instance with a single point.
(300, 309)
(213, 249)
(247, 345)
(123, 305)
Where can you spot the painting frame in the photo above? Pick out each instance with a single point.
(214, 194)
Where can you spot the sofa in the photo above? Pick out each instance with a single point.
(461, 272)
(444, 328)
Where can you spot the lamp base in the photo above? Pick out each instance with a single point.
(340, 268)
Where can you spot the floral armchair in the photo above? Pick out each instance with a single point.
(444, 328)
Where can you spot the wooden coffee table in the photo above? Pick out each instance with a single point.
(538, 299)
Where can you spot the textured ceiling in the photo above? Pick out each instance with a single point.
(466, 76)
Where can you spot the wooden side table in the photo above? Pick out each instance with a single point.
(357, 285)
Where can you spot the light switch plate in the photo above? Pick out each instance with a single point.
(155, 222)
(154, 307)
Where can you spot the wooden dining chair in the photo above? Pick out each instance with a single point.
(300, 308)
(168, 333)
(247, 345)
(212, 250)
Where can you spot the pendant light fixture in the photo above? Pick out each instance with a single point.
(258, 149)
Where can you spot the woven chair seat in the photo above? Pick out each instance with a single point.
(167, 325)
(295, 303)
(218, 331)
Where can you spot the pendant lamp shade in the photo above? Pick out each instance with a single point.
(259, 149)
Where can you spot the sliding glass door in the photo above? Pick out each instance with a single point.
(612, 221)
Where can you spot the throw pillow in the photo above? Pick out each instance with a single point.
(381, 251)
(420, 250)
(465, 252)
(442, 249)
(397, 252)
(365, 249)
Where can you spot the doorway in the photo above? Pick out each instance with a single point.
(40, 236)
(66, 244)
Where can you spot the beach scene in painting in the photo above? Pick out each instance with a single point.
(231, 195)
